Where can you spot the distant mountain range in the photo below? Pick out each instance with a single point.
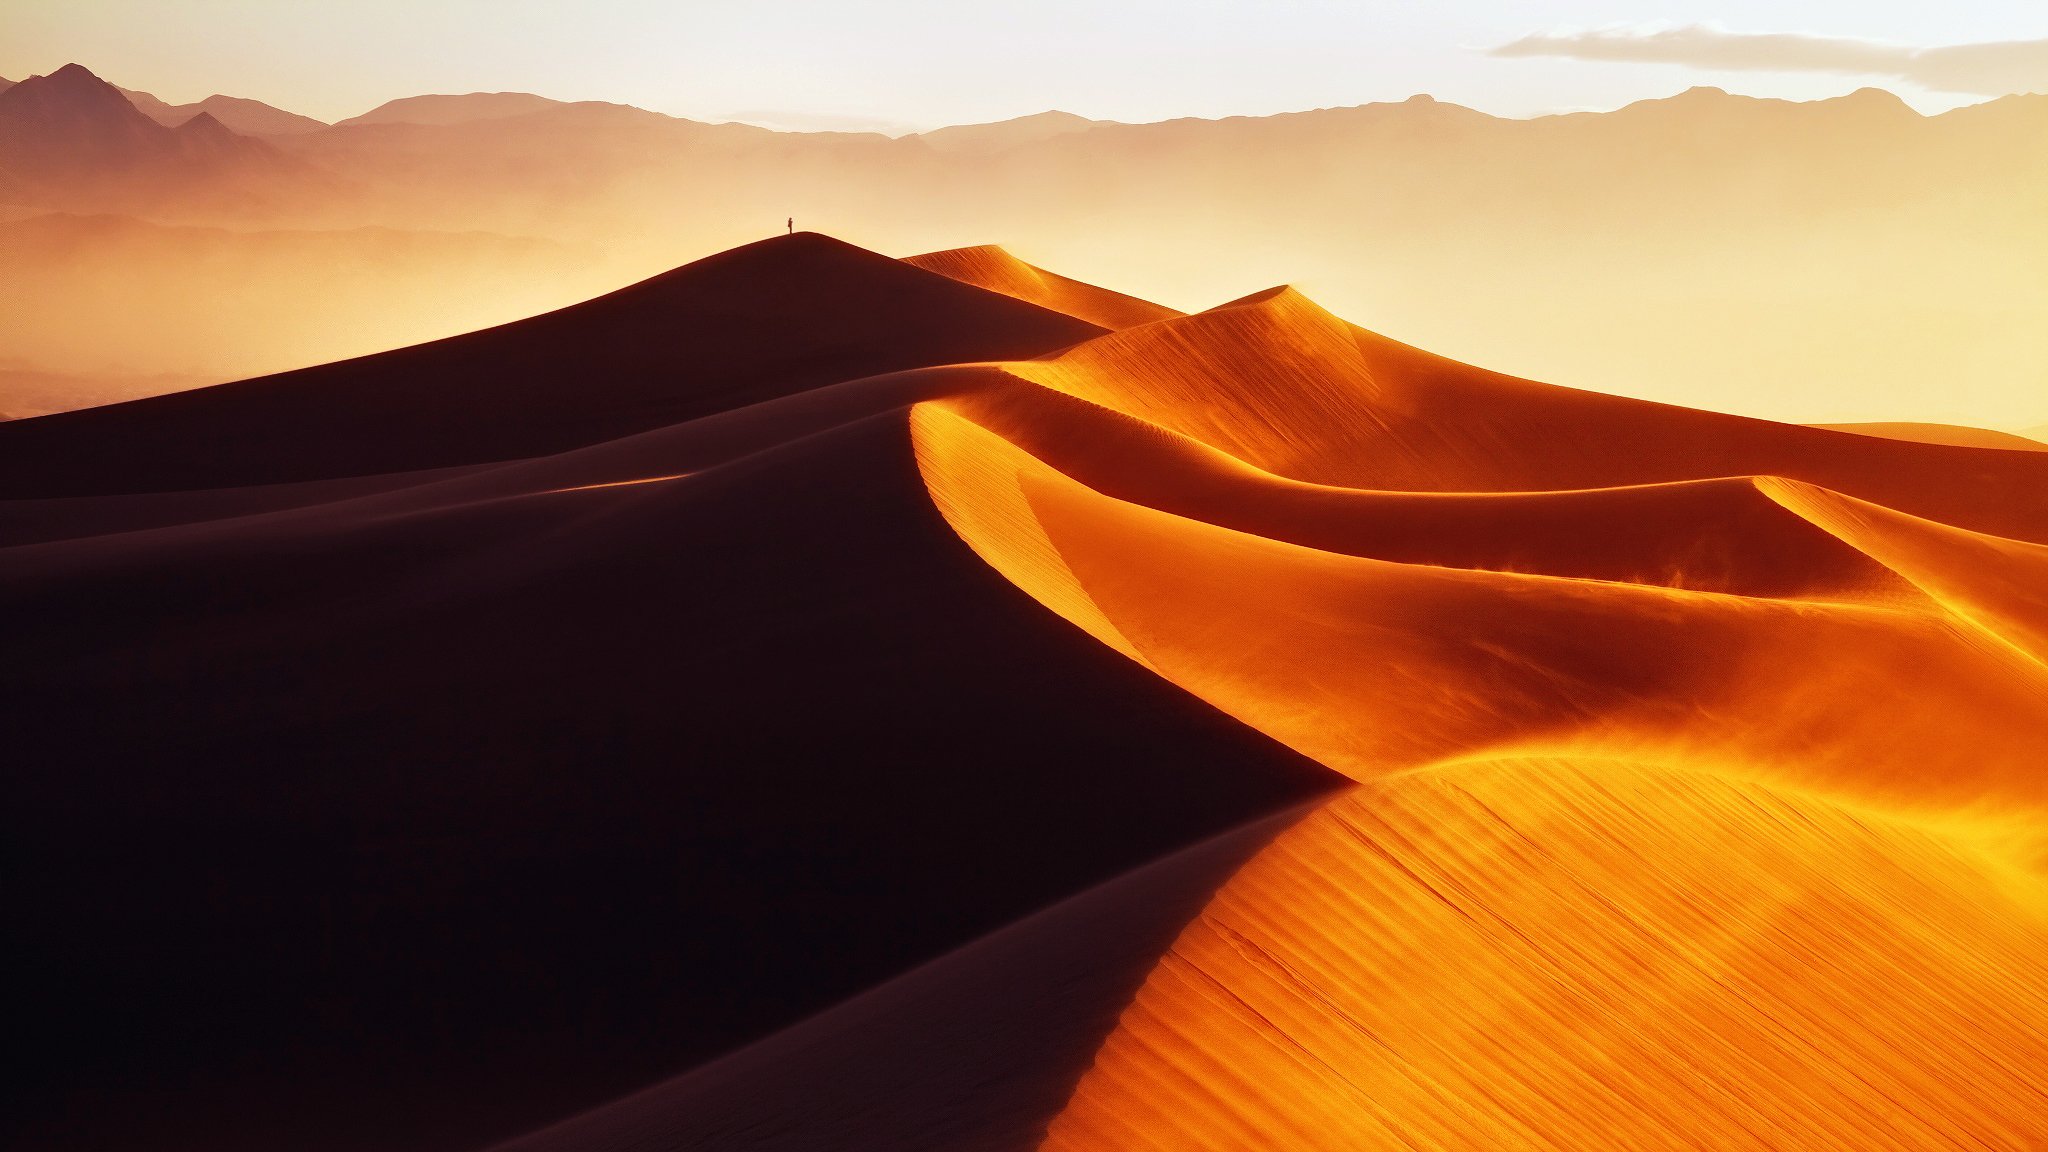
(70, 140)
(1805, 261)
(248, 117)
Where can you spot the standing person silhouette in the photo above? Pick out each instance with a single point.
(792, 225)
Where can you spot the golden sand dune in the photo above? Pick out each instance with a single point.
(1374, 667)
(990, 267)
(1278, 382)
(1575, 954)
(1686, 821)
(1720, 535)
(841, 632)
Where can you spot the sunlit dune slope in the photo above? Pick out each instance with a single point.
(1375, 667)
(1569, 954)
(758, 322)
(1280, 383)
(1998, 585)
(993, 268)
(1687, 820)
(1721, 535)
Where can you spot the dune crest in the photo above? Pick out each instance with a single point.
(1347, 658)
(990, 266)
(1947, 434)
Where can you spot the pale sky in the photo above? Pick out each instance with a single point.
(905, 64)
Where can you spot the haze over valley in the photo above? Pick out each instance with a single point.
(1818, 261)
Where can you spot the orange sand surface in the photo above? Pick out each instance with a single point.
(990, 267)
(995, 712)
(1702, 761)
(1569, 954)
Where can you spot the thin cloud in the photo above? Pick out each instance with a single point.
(1988, 69)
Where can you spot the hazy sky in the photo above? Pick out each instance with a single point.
(920, 63)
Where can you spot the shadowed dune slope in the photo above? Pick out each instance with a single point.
(422, 818)
(993, 268)
(767, 320)
(977, 1050)
(1571, 954)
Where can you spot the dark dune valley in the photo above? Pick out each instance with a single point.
(810, 699)
(543, 625)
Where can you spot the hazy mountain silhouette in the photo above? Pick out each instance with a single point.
(247, 117)
(976, 139)
(71, 124)
(73, 140)
(1806, 227)
(461, 109)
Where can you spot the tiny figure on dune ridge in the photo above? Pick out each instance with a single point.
(791, 224)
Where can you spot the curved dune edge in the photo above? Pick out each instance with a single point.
(1272, 379)
(1279, 383)
(1716, 535)
(1375, 668)
(1998, 585)
(992, 267)
(1561, 954)
(962, 468)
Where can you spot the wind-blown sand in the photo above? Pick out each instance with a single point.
(1227, 730)
(1947, 434)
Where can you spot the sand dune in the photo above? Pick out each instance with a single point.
(979, 1049)
(1313, 398)
(1571, 954)
(687, 760)
(767, 320)
(1721, 535)
(1348, 659)
(944, 705)
(992, 268)
(1434, 961)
